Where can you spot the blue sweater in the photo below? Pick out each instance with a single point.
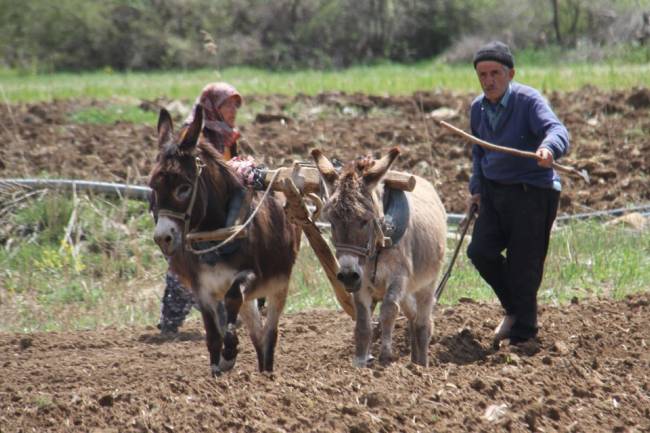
(526, 123)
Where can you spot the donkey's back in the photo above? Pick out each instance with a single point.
(422, 250)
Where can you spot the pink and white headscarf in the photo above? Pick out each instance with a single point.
(212, 97)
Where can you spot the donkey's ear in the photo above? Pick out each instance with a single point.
(325, 167)
(374, 174)
(192, 132)
(165, 128)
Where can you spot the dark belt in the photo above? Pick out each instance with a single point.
(517, 185)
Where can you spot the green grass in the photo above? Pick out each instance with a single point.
(113, 274)
(380, 79)
(585, 259)
(113, 113)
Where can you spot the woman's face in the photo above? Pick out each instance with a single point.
(228, 111)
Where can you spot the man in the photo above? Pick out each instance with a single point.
(517, 197)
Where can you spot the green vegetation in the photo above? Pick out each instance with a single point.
(108, 271)
(585, 259)
(112, 113)
(77, 35)
(381, 79)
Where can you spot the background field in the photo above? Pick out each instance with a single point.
(388, 79)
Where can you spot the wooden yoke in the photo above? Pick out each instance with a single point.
(307, 179)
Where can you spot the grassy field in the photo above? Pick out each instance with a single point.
(90, 262)
(382, 79)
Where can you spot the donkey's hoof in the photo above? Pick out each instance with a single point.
(386, 359)
(361, 362)
(215, 370)
(225, 364)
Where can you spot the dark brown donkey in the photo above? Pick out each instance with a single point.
(193, 191)
(400, 276)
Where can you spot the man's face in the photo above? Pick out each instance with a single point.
(494, 78)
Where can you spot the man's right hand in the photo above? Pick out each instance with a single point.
(474, 200)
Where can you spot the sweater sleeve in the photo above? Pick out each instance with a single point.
(544, 123)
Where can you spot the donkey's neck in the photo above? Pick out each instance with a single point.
(223, 192)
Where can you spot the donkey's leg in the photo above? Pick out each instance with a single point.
(387, 315)
(422, 327)
(252, 319)
(362, 328)
(409, 308)
(212, 336)
(275, 304)
(233, 300)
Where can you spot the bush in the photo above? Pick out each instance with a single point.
(156, 34)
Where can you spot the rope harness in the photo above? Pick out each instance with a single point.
(186, 216)
(375, 240)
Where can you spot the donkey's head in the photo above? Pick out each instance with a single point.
(353, 212)
(189, 181)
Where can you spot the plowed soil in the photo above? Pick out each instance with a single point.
(590, 372)
(609, 139)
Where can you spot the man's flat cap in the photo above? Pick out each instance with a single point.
(496, 51)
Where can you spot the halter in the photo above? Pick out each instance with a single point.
(186, 216)
(376, 240)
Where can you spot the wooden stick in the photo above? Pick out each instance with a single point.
(515, 152)
(297, 211)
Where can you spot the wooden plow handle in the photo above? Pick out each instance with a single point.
(515, 152)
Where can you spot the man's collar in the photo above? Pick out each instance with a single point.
(505, 97)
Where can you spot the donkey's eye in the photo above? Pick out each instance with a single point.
(182, 192)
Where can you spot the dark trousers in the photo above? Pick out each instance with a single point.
(177, 302)
(518, 219)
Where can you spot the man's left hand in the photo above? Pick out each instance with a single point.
(544, 157)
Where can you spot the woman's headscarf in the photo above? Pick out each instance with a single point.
(219, 133)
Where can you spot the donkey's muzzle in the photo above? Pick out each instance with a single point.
(350, 279)
(166, 235)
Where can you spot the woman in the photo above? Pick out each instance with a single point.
(220, 102)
